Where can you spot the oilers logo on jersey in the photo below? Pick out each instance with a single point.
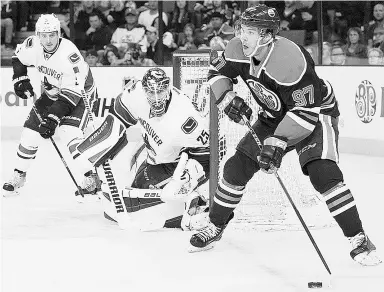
(266, 96)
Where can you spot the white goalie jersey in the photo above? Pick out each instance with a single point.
(182, 126)
(57, 69)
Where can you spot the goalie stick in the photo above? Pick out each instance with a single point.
(123, 219)
(260, 145)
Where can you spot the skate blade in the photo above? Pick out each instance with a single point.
(8, 194)
(194, 249)
(88, 198)
(370, 259)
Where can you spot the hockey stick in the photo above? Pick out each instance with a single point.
(58, 152)
(260, 145)
(123, 218)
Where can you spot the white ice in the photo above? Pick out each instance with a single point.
(52, 243)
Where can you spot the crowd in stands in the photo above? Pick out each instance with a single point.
(126, 33)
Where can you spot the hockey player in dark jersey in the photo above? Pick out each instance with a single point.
(298, 111)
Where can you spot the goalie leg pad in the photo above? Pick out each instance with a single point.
(95, 146)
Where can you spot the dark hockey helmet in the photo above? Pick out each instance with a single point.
(263, 17)
(156, 85)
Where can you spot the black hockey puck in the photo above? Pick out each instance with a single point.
(315, 284)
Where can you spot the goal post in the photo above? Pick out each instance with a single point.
(194, 84)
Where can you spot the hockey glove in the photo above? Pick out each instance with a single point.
(22, 85)
(236, 109)
(272, 153)
(48, 126)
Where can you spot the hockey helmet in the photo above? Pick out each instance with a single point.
(48, 23)
(263, 17)
(156, 85)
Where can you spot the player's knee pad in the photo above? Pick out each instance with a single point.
(69, 133)
(324, 174)
(30, 138)
(239, 169)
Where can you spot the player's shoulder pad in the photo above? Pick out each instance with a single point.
(286, 63)
(73, 54)
(234, 51)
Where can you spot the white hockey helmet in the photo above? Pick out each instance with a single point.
(47, 23)
(156, 85)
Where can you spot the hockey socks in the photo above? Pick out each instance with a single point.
(342, 206)
(226, 199)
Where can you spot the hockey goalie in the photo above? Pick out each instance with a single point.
(167, 188)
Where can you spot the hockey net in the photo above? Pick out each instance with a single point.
(264, 205)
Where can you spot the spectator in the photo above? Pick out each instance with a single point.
(154, 47)
(205, 9)
(8, 23)
(82, 23)
(104, 7)
(327, 52)
(232, 12)
(92, 58)
(168, 39)
(337, 56)
(355, 50)
(186, 40)
(98, 34)
(23, 14)
(132, 5)
(147, 17)
(180, 16)
(291, 17)
(217, 28)
(136, 57)
(237, 28)
(375, 57)
(217, 44)
(64, 25)
(378, 15)
(345, 14)
(131, 32)
(309, 16)
(312, 52)
(378, 38)
(110, 56)
(58, 7)
(116, 15)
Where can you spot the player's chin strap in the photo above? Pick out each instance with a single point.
(259, 45)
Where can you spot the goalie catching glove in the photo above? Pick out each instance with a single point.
(186, 177)
(272, 153)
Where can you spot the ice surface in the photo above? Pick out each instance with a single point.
(52, 243)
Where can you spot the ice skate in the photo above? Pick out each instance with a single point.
(364, 251)
(17, 181)
(206, 238)
(90, 188)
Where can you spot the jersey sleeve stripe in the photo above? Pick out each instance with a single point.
(122, 112)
